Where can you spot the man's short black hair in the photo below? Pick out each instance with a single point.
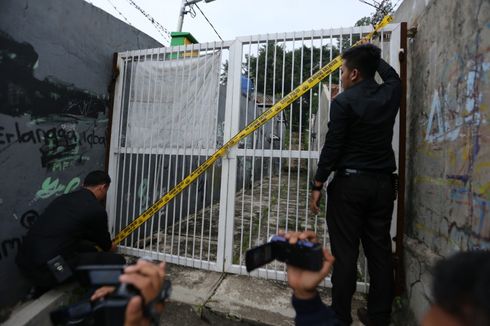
(461, 287)
(364, 58)
(96, 178)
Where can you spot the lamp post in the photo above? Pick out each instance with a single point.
(182, 12)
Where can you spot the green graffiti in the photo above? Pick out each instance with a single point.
(142, 189)
(142, 193)
(55, 188)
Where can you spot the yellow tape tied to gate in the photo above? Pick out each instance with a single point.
(251, 127)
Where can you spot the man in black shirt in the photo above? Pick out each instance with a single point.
(70, 226)
(360, 197)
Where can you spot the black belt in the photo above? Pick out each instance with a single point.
(348, 172)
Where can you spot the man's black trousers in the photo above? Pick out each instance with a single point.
(360, 208)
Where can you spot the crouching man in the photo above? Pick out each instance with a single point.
(66, 234)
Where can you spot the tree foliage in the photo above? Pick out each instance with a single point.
(382, 9)
(276, 69)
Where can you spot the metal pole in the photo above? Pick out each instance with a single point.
(180, 22)
(400, 224)
(182, 12)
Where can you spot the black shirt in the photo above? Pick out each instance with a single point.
(360, 129)
(66, 221)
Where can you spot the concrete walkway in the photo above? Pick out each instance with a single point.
(239, 298)
(198, 298)
(233, 299)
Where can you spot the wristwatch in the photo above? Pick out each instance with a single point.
(314, 187)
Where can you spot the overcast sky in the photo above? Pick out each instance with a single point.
(233, 18)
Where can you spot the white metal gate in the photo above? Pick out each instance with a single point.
(175, 106)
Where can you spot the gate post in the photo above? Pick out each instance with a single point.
(400, 231)
(229, 161)
(115, 140)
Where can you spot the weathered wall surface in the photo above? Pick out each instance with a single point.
(55, 69)
(448, 182)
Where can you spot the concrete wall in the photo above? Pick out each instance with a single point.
(55, 69)
(448, 181)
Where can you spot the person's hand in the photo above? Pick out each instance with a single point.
(304, 282)
(145, 276)
(148, 278)
(134, 313)
(102, 292)
(315, 198)
(113, 247)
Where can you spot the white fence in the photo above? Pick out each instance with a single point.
(175, 106)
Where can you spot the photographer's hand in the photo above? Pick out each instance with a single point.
(102, 292)
(134, 313)
(304, 282)
(148, 278)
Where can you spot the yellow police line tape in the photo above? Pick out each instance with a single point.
(251, 127)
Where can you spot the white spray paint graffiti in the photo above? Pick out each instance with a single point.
(440, 129)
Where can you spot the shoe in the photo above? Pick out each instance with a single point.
(363, 316)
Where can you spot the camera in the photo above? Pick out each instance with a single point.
(106, 311)
(304, 254)
(109, 310)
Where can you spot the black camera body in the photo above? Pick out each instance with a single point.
(109, 310)
(304, 254)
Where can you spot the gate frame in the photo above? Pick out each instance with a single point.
(231, 157)
(226, 217)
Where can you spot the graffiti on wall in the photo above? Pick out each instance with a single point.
(448, 115)
(54, 187)
(9, 246)
(456, 131)
(65, 122)
(61, 146)
(51, 134)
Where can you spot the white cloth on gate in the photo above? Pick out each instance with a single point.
(173, 103)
